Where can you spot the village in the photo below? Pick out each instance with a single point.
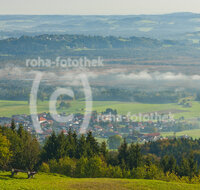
(102, 125)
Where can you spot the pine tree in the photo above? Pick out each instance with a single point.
(172, 164)
(134, 157)
(71, 147)
(81, 148)
(92, 145)
(61, 143)
(168, 163)
(192, 165)
(123, 153)
(184, 168)
(103, 149)
(50, 148)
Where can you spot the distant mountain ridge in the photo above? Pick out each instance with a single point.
(168, 26)
(46, 44)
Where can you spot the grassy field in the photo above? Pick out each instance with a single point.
(9, 108)
(54, 182)
(195, 134)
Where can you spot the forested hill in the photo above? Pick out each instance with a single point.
(110, 47)
(45, 43)
(80, 45)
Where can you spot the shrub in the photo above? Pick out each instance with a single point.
(114, 172)
(138, 173)
(80, 170)
(67, 166)
(153, 172)
(54, 167)
(44, 168)
(171, 177)
(94, 167)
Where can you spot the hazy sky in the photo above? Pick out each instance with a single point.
(98, 6)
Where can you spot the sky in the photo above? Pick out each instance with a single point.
(98, 7)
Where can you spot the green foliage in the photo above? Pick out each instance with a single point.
(114, 172)
(25, 148)
(168, 163)
(114, 141)
(82, 157)
(67, 166)
(139, 173)
(54, 166)
(134, 158)
(103, 149)
(5, 153)
(123, 154)
(94, 167)
(153, 172)
(44, 167)
(172, 177)
(81, 167)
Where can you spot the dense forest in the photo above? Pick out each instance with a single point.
(16, 50)
(10, 90)
(82, 156)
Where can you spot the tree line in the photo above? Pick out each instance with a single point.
(9, 90)
(77, 155)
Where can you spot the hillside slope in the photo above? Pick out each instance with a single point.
(53, 181)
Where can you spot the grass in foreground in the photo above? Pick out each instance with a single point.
(54, 182)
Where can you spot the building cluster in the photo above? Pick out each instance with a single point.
(102, 126)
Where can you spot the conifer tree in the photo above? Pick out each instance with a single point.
(81, 148)
(92, 145)
(61, 143)
(50, 148)
(103, 149)
(123, 152)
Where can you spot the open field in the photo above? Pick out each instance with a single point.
(195, 133)
(9, 108)
(54, 182)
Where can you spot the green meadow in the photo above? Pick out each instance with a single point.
(9, 108)
(58, 182)
(195, 133)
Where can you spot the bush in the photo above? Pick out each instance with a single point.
(171, 177)
(153, 172)
(195, 179)
(67, 166)
(147, 172)
(117, 172)
(114, 172)
(95, 167)
(138, 173)
(44, 168)
(54, 167)
(185, 179)
(80, 170)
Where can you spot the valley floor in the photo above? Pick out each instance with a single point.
(9, 108)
